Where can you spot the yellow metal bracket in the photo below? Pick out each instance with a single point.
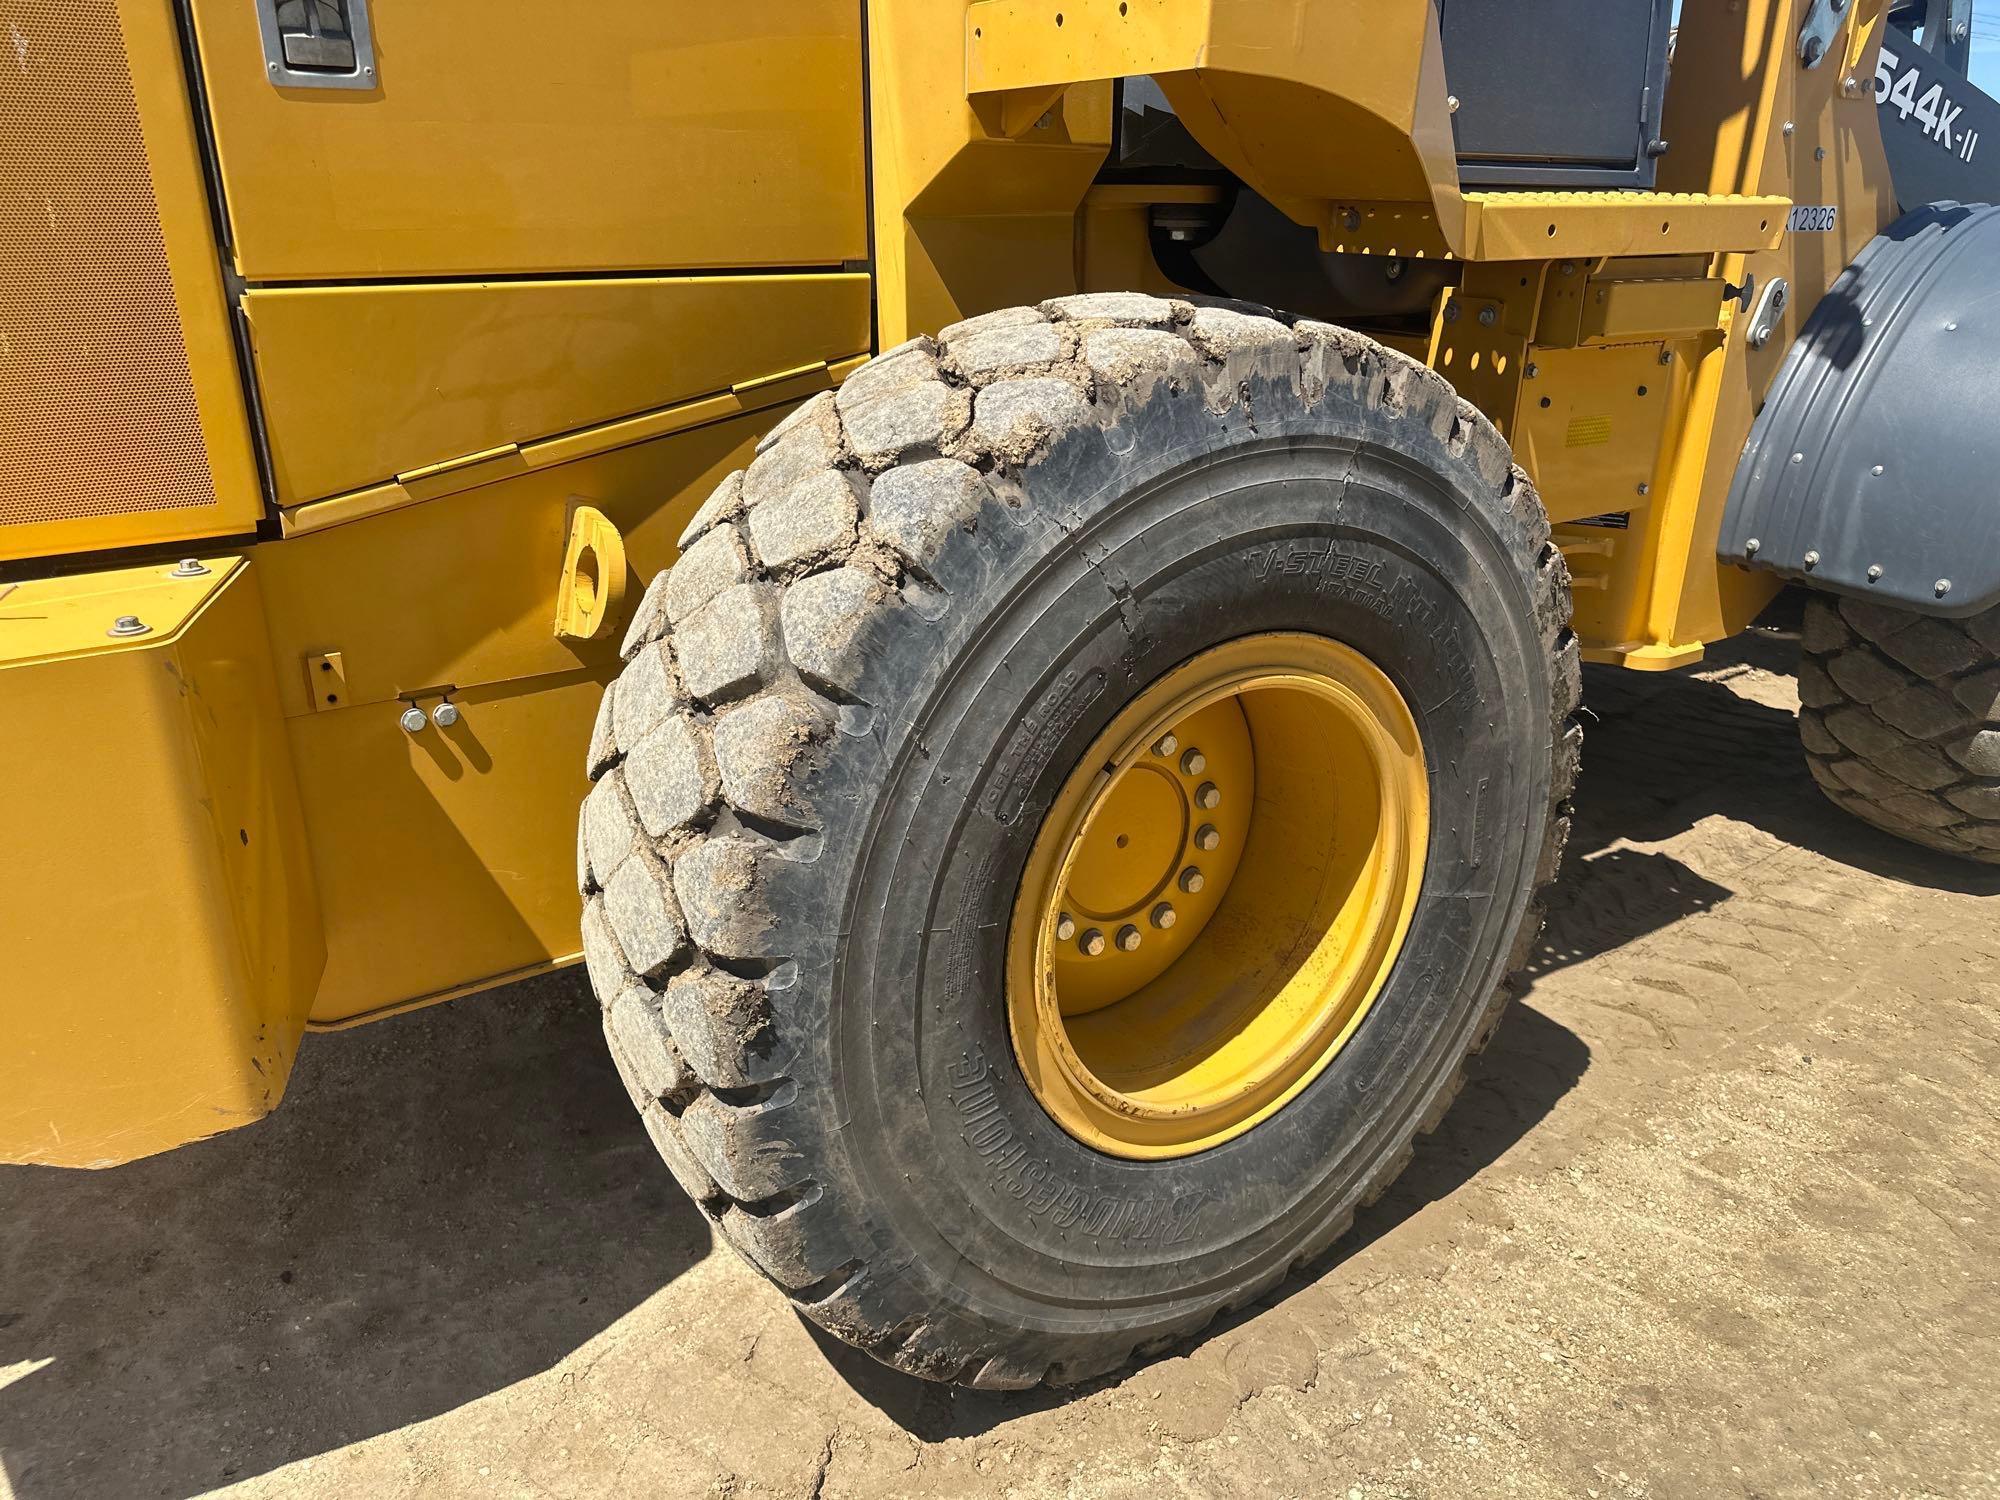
(1016, 112)
(1646, 656)
(1630, 302)
(326, 680)
(86, 614)
(1483, 336)
(1642, 309)
(591, 596)
(1864, 35)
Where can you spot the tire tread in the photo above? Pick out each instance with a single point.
(1900, 723)
(724, 1130)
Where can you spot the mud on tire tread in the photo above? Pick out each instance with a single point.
(764, 661)
(1900, 719)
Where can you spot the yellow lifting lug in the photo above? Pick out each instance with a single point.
(591, 595)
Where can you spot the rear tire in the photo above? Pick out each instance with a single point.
(847, 706)
(1899, 714)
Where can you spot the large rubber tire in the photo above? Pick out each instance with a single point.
(846, 707)
(1900, 717)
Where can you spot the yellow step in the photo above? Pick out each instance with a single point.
(1538, 226)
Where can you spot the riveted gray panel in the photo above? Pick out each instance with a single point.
(1878, 448)
(1556, 93)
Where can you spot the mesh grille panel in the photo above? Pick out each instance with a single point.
(97, 409)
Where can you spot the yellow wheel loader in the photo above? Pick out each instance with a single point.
(1052, 542)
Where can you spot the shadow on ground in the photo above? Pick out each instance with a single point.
(446, 1203)
(1663, 752)
(455, 1200)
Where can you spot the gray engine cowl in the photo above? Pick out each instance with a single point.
(1874, 467)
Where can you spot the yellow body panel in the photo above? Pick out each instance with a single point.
(431, 439)
(363, 383)
(446, 858)
(121, 405)
(1620, 372)
(509, 459)
(471, 298)
(162, 927)
(461, 590)
(1591, 426)
(1726, 109)
(968, 217)
(506, 138)
(1276, 90)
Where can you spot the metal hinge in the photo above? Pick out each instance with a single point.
(808, 378)
(455, 474)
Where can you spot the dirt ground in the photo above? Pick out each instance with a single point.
(1714, 1217)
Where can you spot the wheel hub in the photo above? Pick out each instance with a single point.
(1155, 856)
(1217, 894)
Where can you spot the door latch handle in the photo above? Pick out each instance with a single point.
(317, 44)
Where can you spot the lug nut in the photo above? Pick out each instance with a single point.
(1208, 796)
(1129, 939)
(1194, 762)
(412, 719)
(1163, 915)
(1091, 943)
(445, 715)
(1206, 838)
(1191, 880)
(1165, 745)
(1065, 927)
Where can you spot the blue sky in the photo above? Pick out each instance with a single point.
(1986, 50)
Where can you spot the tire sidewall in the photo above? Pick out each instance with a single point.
(1167, 541)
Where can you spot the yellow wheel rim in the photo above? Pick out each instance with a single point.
(1217, 895)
